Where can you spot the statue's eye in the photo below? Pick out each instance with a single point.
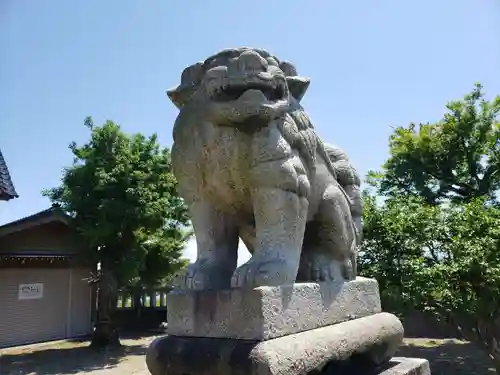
(215, 72)
(218, 62)
(272, 61)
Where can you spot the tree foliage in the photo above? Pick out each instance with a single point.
(438, 259)
(456, 158)
(122, 195)
(432, 221)
(157, 267)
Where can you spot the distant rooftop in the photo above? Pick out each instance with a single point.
(7, 190)
(50, 215)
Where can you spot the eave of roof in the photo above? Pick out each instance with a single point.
(49, 215)
(7, 190)
(14, 256)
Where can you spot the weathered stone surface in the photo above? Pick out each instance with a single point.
(373, 339)
(268, 312)
(249, 164)
(396, 366)
(408, 366)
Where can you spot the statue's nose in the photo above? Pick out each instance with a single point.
(252, 61)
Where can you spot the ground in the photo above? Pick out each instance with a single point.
(447, 357)
(74, 357)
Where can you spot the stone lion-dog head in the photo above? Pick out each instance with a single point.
(239, 86)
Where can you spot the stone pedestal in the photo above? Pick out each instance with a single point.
(309, 328)
(269, 312)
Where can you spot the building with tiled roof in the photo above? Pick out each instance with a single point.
(7, 190)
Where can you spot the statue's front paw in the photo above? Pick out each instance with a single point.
(195, 277)
(263, 272)
(318, 267)
(205, 276)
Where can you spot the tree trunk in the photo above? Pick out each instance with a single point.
(137, 294)
(106, 333)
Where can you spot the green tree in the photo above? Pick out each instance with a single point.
(456, 158)
(121, 192)
(438, 259)
(399, 236)
(157, 267)
(432, 220)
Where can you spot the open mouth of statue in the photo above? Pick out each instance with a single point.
(236, 91)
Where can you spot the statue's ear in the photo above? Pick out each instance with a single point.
(297, 86)
(190, 78)
(181, 94)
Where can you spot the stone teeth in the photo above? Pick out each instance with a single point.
(265, 76)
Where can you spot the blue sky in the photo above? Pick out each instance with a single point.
(373, 64)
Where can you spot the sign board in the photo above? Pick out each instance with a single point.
(30, 291)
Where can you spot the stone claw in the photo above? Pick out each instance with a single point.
(258, 272)
(322, 267)
(202, 275)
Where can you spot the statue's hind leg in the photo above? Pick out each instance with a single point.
(329, 249)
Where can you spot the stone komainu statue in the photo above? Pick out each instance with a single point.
(250, 165)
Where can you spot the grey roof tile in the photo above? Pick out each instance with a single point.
(7, 190)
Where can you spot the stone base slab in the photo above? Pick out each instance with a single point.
(407, 366)
(372, 340)
(396, 366)
(268, 312)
